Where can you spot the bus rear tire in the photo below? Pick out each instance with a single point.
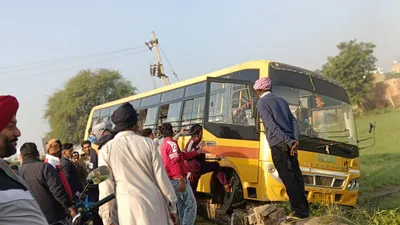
(235, 196)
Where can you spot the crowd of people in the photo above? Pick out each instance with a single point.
(154, 181)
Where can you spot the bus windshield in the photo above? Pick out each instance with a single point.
(320, 116)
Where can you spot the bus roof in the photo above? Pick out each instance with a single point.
(245, 65)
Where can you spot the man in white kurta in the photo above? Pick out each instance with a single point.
(143, 191)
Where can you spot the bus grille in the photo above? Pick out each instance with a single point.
(323, 181)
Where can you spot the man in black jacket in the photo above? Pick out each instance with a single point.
(70, 171)
(45, 185)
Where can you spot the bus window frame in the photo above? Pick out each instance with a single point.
(231, 131)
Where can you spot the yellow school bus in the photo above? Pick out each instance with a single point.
(328, 155)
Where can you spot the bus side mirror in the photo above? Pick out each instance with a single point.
(371, 127)
(371, 130)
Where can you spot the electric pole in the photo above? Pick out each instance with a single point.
(157, 68)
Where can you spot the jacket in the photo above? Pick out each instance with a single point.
(71, 173)
(160, 141)
(55, 162)
(174, 159)
(279, 123)
(46, 188)
(194, 165)
(17, 205)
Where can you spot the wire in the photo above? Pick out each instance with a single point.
(67, 68)
(165, 56)
(63, 60)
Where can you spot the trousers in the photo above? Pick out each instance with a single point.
(207, 167)
(187, 205)
(291, 176)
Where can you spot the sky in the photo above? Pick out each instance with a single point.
(196, 36)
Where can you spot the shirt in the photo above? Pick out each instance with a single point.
(174, 159)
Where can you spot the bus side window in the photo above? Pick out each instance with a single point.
(193, 110)
(173, 115)
(142, 118)
(151, 118)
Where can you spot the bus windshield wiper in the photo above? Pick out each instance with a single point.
(339, 145)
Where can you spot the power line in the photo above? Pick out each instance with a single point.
(63, 60)
(71, 67)
(169, 63)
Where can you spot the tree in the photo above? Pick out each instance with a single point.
(353, 68)
(68, 109)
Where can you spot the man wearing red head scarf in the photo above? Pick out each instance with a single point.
(17, 206)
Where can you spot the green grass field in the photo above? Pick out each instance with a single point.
(380, 164)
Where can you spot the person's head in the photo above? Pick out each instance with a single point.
(75, 157)
(14, 168)
(102, 129)
(196, 132)
(90, 132)
(166, 130)
(148, 132)
(262, 85)
(67, 150)
(54, 147)
(9, 131)
(86, 146)
(125, 118)
(29, 151)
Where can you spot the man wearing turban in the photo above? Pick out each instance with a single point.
(17, 205)
(142, 188)
(282, 133)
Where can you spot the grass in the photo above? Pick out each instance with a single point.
(379, 197)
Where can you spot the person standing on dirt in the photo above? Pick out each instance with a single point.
(282, 133)
(174, 164)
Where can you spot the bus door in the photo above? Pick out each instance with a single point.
(229, 126)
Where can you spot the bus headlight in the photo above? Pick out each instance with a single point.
(353, 184)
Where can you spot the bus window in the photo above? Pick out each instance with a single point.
(136, 103)
(163, 113)
(105, 112)
(230, 104)
(96, 113)
(174, 112)
(172, 95)
(113, 108)
(248, 75)
(151, 118)
(195, 89)
(142, 118)
(193, 111)
(149, 101)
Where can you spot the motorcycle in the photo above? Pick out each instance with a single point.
(95, 177)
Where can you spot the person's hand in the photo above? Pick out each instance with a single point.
(293, 148)
(201, 145)
(182, 131)
(73, 211)
(174, 218)
(182, 185)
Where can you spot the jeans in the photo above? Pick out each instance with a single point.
(187, 206)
